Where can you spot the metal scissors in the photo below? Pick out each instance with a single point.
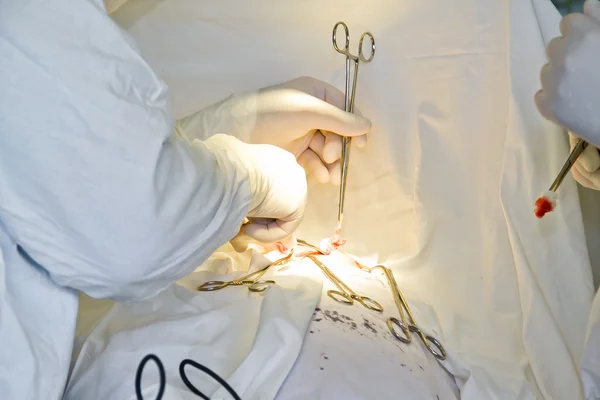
(252, 280)
(345, 294)
(349, 99)
(408, 326)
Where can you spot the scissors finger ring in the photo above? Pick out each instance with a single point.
(211, 286)
(368, 303)
(428, 340)
(440, 354)
(395, 321)
(371, 48)
(346, 49)
(260, 286)
(340, 297)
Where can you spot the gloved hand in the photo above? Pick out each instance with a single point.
(303, 116)
(277, 183)
(242, 242)
(570, 94)
(586, 169)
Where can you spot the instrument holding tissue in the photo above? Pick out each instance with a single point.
(350, 96)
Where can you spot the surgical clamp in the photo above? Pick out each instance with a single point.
(350, 95)
(408, 326)
(310, 246)
(252, 280)
(575, 153)
(344, 294)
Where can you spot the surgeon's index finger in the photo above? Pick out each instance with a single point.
(318, 114)
(331, 95)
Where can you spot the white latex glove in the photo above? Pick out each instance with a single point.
(278, 186)
(242, 243)
(570, 94)
(303, 116)
(586, 169)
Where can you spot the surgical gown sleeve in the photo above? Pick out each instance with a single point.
(95, 186)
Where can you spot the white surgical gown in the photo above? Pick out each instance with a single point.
(96, 192)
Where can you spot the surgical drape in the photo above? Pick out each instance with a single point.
(444, 191)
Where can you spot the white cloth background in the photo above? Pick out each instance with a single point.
(590, 363)
(458, 153)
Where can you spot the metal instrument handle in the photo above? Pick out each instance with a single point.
(211, 286)
(395, 321)
(368, 303)
(340, 297)
(260, 286)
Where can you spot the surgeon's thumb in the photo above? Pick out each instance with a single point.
(592, 8)
(327, 117)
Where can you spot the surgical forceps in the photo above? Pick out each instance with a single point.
(575, 153)
(350, 96)
(408, 326)
(252, 280)
(310, 246)
(344, 294)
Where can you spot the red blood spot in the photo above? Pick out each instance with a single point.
(543, 206)
(337, 242)
(334, 243)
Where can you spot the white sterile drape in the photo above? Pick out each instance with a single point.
(458, 153)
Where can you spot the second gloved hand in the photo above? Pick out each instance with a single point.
(586, 169)
(570, 94)
(303, 116)
(571, 87)
(277, 183)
